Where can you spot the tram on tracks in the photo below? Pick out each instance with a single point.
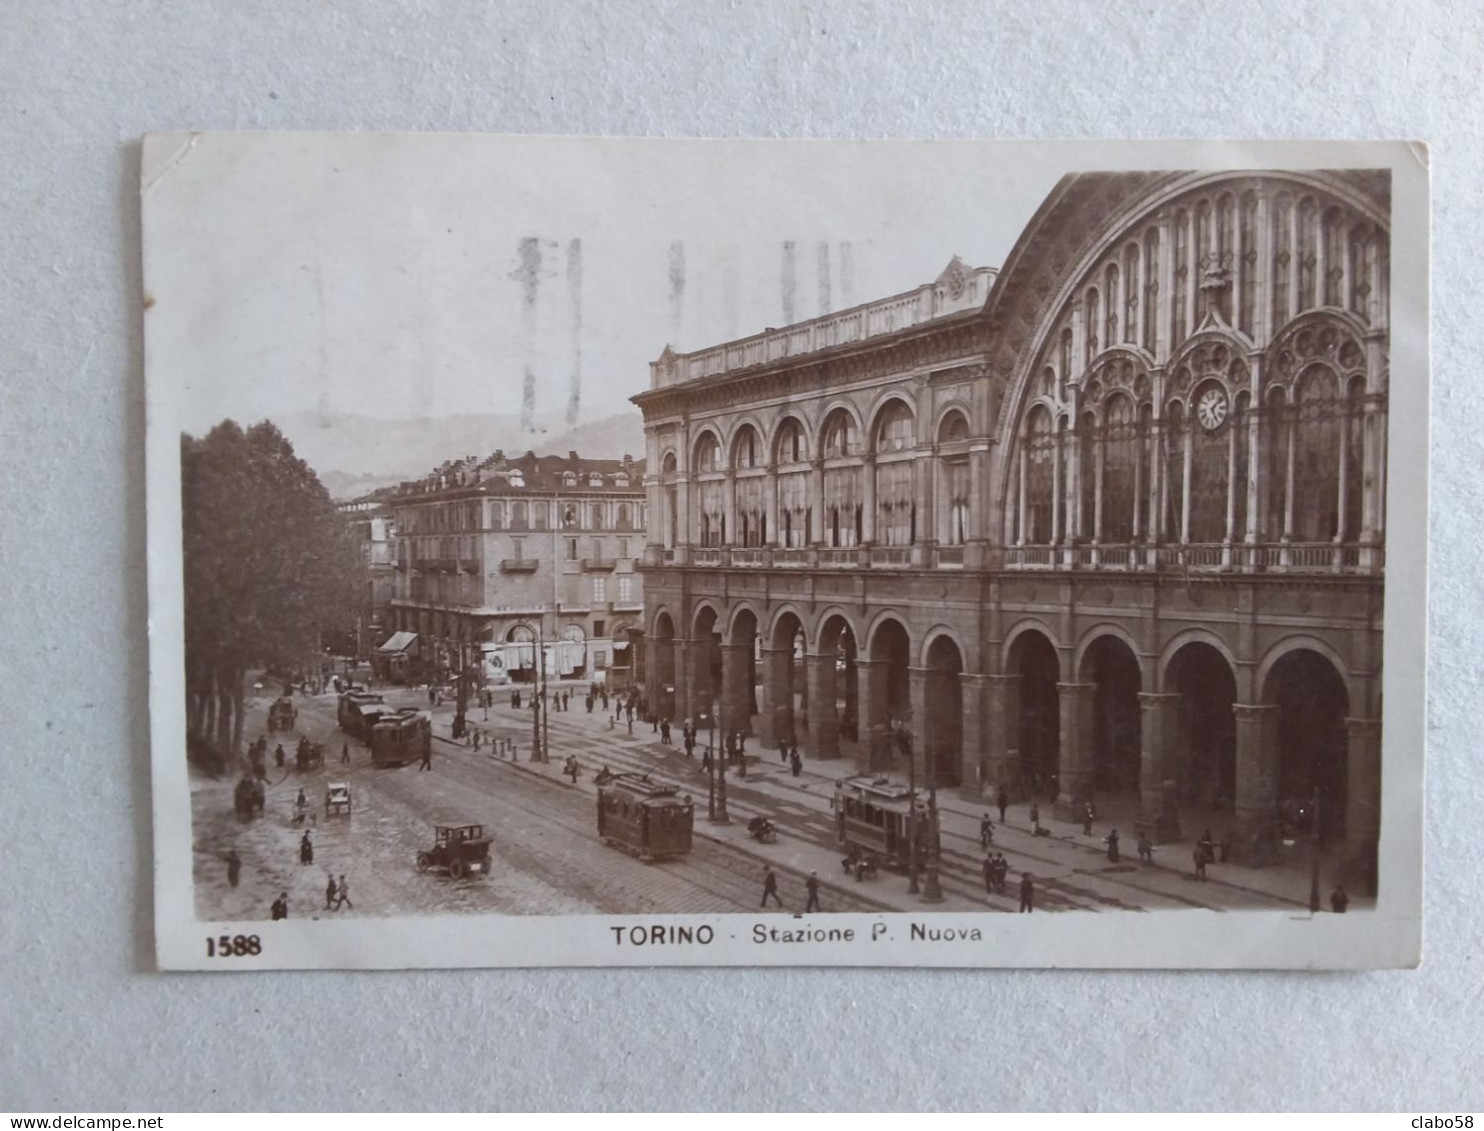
(649, 820)
(402, 737)
(874, 817)
(358, 711)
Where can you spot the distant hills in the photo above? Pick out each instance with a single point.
(355, 454)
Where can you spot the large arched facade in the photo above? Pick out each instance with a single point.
(1078, 533)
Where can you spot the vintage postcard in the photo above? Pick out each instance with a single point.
(582, 551)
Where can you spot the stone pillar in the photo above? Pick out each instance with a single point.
(974, 779)
(736, 695)
(1362, 803)
(868, 496)
(924, 728)
(777, 721)
(1158, 815)
(1075, 769)
(1257, 783)
(1001, 731)
(770, 508)
(682, 678)
(824, 727)
(874, 752)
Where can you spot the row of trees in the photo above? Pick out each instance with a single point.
(271, 569)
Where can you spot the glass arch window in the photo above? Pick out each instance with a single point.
(894, 428)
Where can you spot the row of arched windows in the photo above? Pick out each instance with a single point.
(839, 503)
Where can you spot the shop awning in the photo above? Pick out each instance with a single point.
(399, 642)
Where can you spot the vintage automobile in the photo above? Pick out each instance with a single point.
(460, 849)
(282, 714)
(337, 799)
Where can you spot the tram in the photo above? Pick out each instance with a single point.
(402, 737)
(873, 816)
(358, 712)
(645, 818)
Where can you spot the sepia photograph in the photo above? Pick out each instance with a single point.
(575, 551)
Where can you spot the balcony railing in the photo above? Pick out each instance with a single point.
(1204, 557)
(793, 557)
(706, 555)
(599, 565)
(891, 555)
(519, 565)
(469, 565)
(747, 556)
(950, 557)
(837, 557)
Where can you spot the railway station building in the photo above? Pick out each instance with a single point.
(1105, 524)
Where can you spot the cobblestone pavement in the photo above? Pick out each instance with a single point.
(548, 859)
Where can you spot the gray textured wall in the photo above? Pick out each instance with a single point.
(88, 1024)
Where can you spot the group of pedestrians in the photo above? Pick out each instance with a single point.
(770, 890)
(337, 894)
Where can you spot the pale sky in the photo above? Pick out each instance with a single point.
(388, 275)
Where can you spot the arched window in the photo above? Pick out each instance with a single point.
(540, 514)
(1282, 258)
(518, 519)
(708, 453)
(791, 447)
(953, 478)
(624, 522)
(497, 515)
(1065, 355)
(1091, 322)
(1120, 464)
(1320, 413)
(894, 428)
(1181, 256)
(1308, 254)
(569, 515)
(595, 516)
(1247, 263)
(748, 449)
(1151, 288)
(669, 464)
(1039, 475)
(839, 435)
(1110, 288)
(1131, 293)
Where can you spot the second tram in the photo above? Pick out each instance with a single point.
(645, 818)
(875, 816)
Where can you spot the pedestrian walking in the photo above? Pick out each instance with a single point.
(770, 886)
(234, 867)
(1146, 849)
(795, 764)
(1087, 815)
(589, 703)
(665, 731)
(432, 696)
(1200, 862)
(1111, 840)
(571, 769)
(1002, 799)
(427, 759)
(278, 755)
(281, 907)
(345, 753)
(330, 894)
(986, 831)
(342, 894)
(306, 849)
(990, 868)
(1207, 847)
(783, 750)
(1027, 893)
(812, 886)
(1001, 873)
(1035, 818)
(1338, 900)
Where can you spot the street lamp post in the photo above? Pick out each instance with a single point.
(719, 774)
(1314, 869)
(931, 891)
(904, 745)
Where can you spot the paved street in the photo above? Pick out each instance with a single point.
(548, 859)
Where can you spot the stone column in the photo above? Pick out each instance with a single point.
(777, 720)
(682, 678)
(1075, 769)
(874, 749)
(975, 780)
(824, 728)
(868, 500)
(1362, 803)
(1257, 783)
(770, 508)
(816, 502)
(1001, 733)
(924, 728)
(736, 695)
(1158, 815)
